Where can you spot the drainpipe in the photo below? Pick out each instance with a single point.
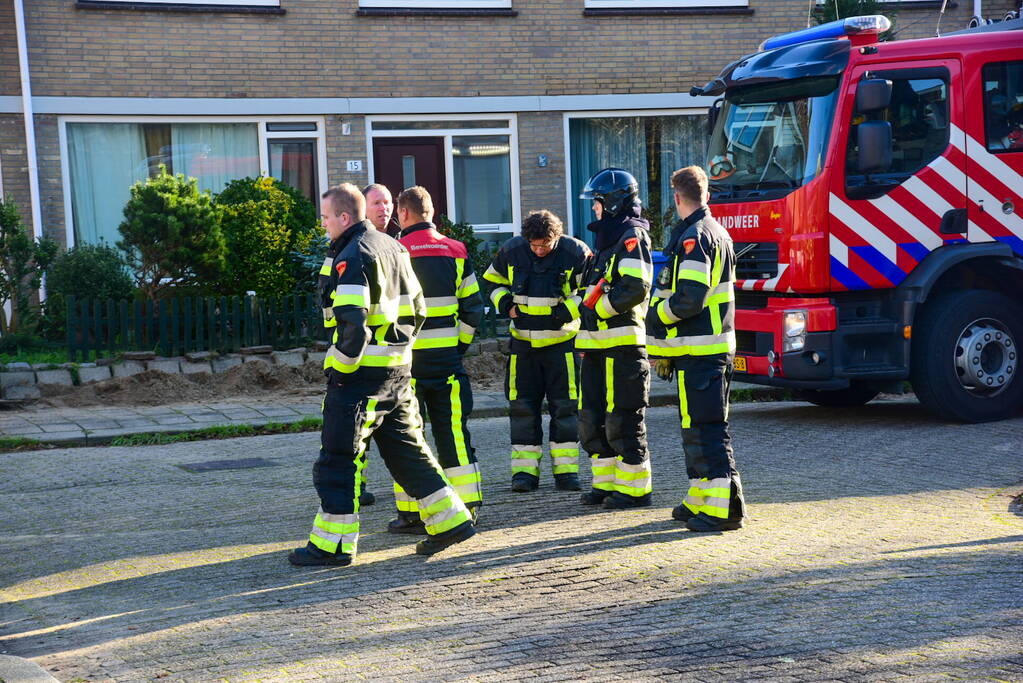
(977, 9)
(30, 128)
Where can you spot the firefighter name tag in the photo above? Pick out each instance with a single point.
(740, 364)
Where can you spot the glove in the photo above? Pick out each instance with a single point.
(664, 368)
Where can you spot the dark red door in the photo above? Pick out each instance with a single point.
(403, 162)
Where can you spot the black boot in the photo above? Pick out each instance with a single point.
(566, 482)
(366, 498)
(311, 556)
(434, 544)
(681, 513)
(620, 501)
(407, 523)
(594, 497)
(524, 483)
(704, 522)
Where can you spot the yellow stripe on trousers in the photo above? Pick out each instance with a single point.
(609, 383)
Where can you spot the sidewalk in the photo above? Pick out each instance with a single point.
(97, 425)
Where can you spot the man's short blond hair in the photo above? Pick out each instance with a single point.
(417, 200)
(346, 198)
(690, 183)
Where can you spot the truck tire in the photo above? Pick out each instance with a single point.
(856, 394)
(965, 356)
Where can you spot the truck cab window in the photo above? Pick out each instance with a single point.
(919, 117)
(1003, 106)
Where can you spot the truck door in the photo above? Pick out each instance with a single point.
(994, 149)
(883, 223)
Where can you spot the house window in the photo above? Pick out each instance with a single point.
(469, 165)
(649, 146)
(104, 158)
(435, 5)
(205, 4)
(640, 6)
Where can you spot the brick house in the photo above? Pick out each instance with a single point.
(498, 106)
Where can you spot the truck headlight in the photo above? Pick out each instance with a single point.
(795, 331)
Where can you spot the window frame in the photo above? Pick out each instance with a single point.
(606, 114)
(511, 130)
(661, 6)
(984, 103)
(263, 137)
(435, 5)
(190, 5)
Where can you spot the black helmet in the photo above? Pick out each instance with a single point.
(612, 187)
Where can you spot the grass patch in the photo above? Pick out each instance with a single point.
(308, 424)
(12, 444)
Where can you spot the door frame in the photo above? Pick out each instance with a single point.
(511, 130)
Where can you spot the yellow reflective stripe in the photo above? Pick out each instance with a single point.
(694, 275)
(603, 472)
(609, 268)
(570, 362)
(403, 501)
(513, 392)
(539, 339)
(604, 308)
(465, 333)
(665, 315)
(492, 275)
(456, 421)
(468, 287)
(572, 304)
(609, 384)
(497, 295)
(637, 268)
(459, 270)
(442, 511)
(535, 310)
(328, 262)
(698, 345)
(683, 401)
(633, 335)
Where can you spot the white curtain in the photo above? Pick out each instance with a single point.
(684, 143)
(104, 160)
(601, 143)
(215, 153)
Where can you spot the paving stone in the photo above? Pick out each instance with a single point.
(200, 356)
(17, 366)
(316, 358)
(128, 368)
(55, 377)
(225, 363)
(189, 368)
(170, 366)
(88, 375)
(289, 358)
(11, 379)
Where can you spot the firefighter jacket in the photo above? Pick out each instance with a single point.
(454, 308)
(622, 271)
(545, 291)
(372, 301)
(692, 309)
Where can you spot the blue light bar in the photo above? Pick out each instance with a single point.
(874, 23)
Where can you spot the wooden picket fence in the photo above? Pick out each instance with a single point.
(173, 327)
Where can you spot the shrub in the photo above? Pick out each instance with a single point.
(22, 262)
(171, 234)
(466, 234)
(95, 271)
(270, 229)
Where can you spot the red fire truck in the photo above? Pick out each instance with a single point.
(873, 191)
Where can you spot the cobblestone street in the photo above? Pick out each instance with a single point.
(882, 545)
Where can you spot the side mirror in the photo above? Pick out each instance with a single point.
(874, 140)
(873, 94)
(713, 111)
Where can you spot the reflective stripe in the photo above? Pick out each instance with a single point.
(492, 275)
(697, 271)
(609, 384)
(498, 294)
(325, 268)
(525, 458)
(637, 268)
(630, 335)
(570, 362)
(456, 420)
(633, 480)
(442, 511)
(513, 392)
(683, 400)
(604, 308)
(331, 531)
(694, 498)
(374, 355)
(565, 457)
(351, 295)
(328, 318)
(698, 345)
(717, 494)
(437, 306)
(466, 332)
(603, 472)
(665, 314)
(572, 304)
(467, 482)
(662, 293)
(403, 501)
(468, 287)
(535, 310)
(536, 300)
(437, 338)
(541, 338)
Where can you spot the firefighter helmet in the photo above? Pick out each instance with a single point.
(721, 166)
(613, 188)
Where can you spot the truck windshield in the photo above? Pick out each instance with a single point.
(771, 138)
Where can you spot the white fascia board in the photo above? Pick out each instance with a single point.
(10, 104)
(318, 106)
(661, 4)
(229, 3)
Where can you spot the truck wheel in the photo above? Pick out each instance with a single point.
(856, 394)
(966, 356)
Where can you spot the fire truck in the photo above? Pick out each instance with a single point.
(873, 191)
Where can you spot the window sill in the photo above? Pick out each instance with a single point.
(662, 11)
(916, 4)
(143, 6)
(433, 12)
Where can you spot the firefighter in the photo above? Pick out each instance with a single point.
(377, 309)
(690, 323)
(615, 373)
(380, 209)
(454, 310)
(538, 275)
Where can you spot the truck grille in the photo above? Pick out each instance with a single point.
(759, 263)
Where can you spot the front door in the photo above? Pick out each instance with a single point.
(403, 162)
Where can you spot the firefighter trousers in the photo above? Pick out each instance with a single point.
(715, 488)
(614, 393)
(448, 403)
(377, 403)
(531, 376)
